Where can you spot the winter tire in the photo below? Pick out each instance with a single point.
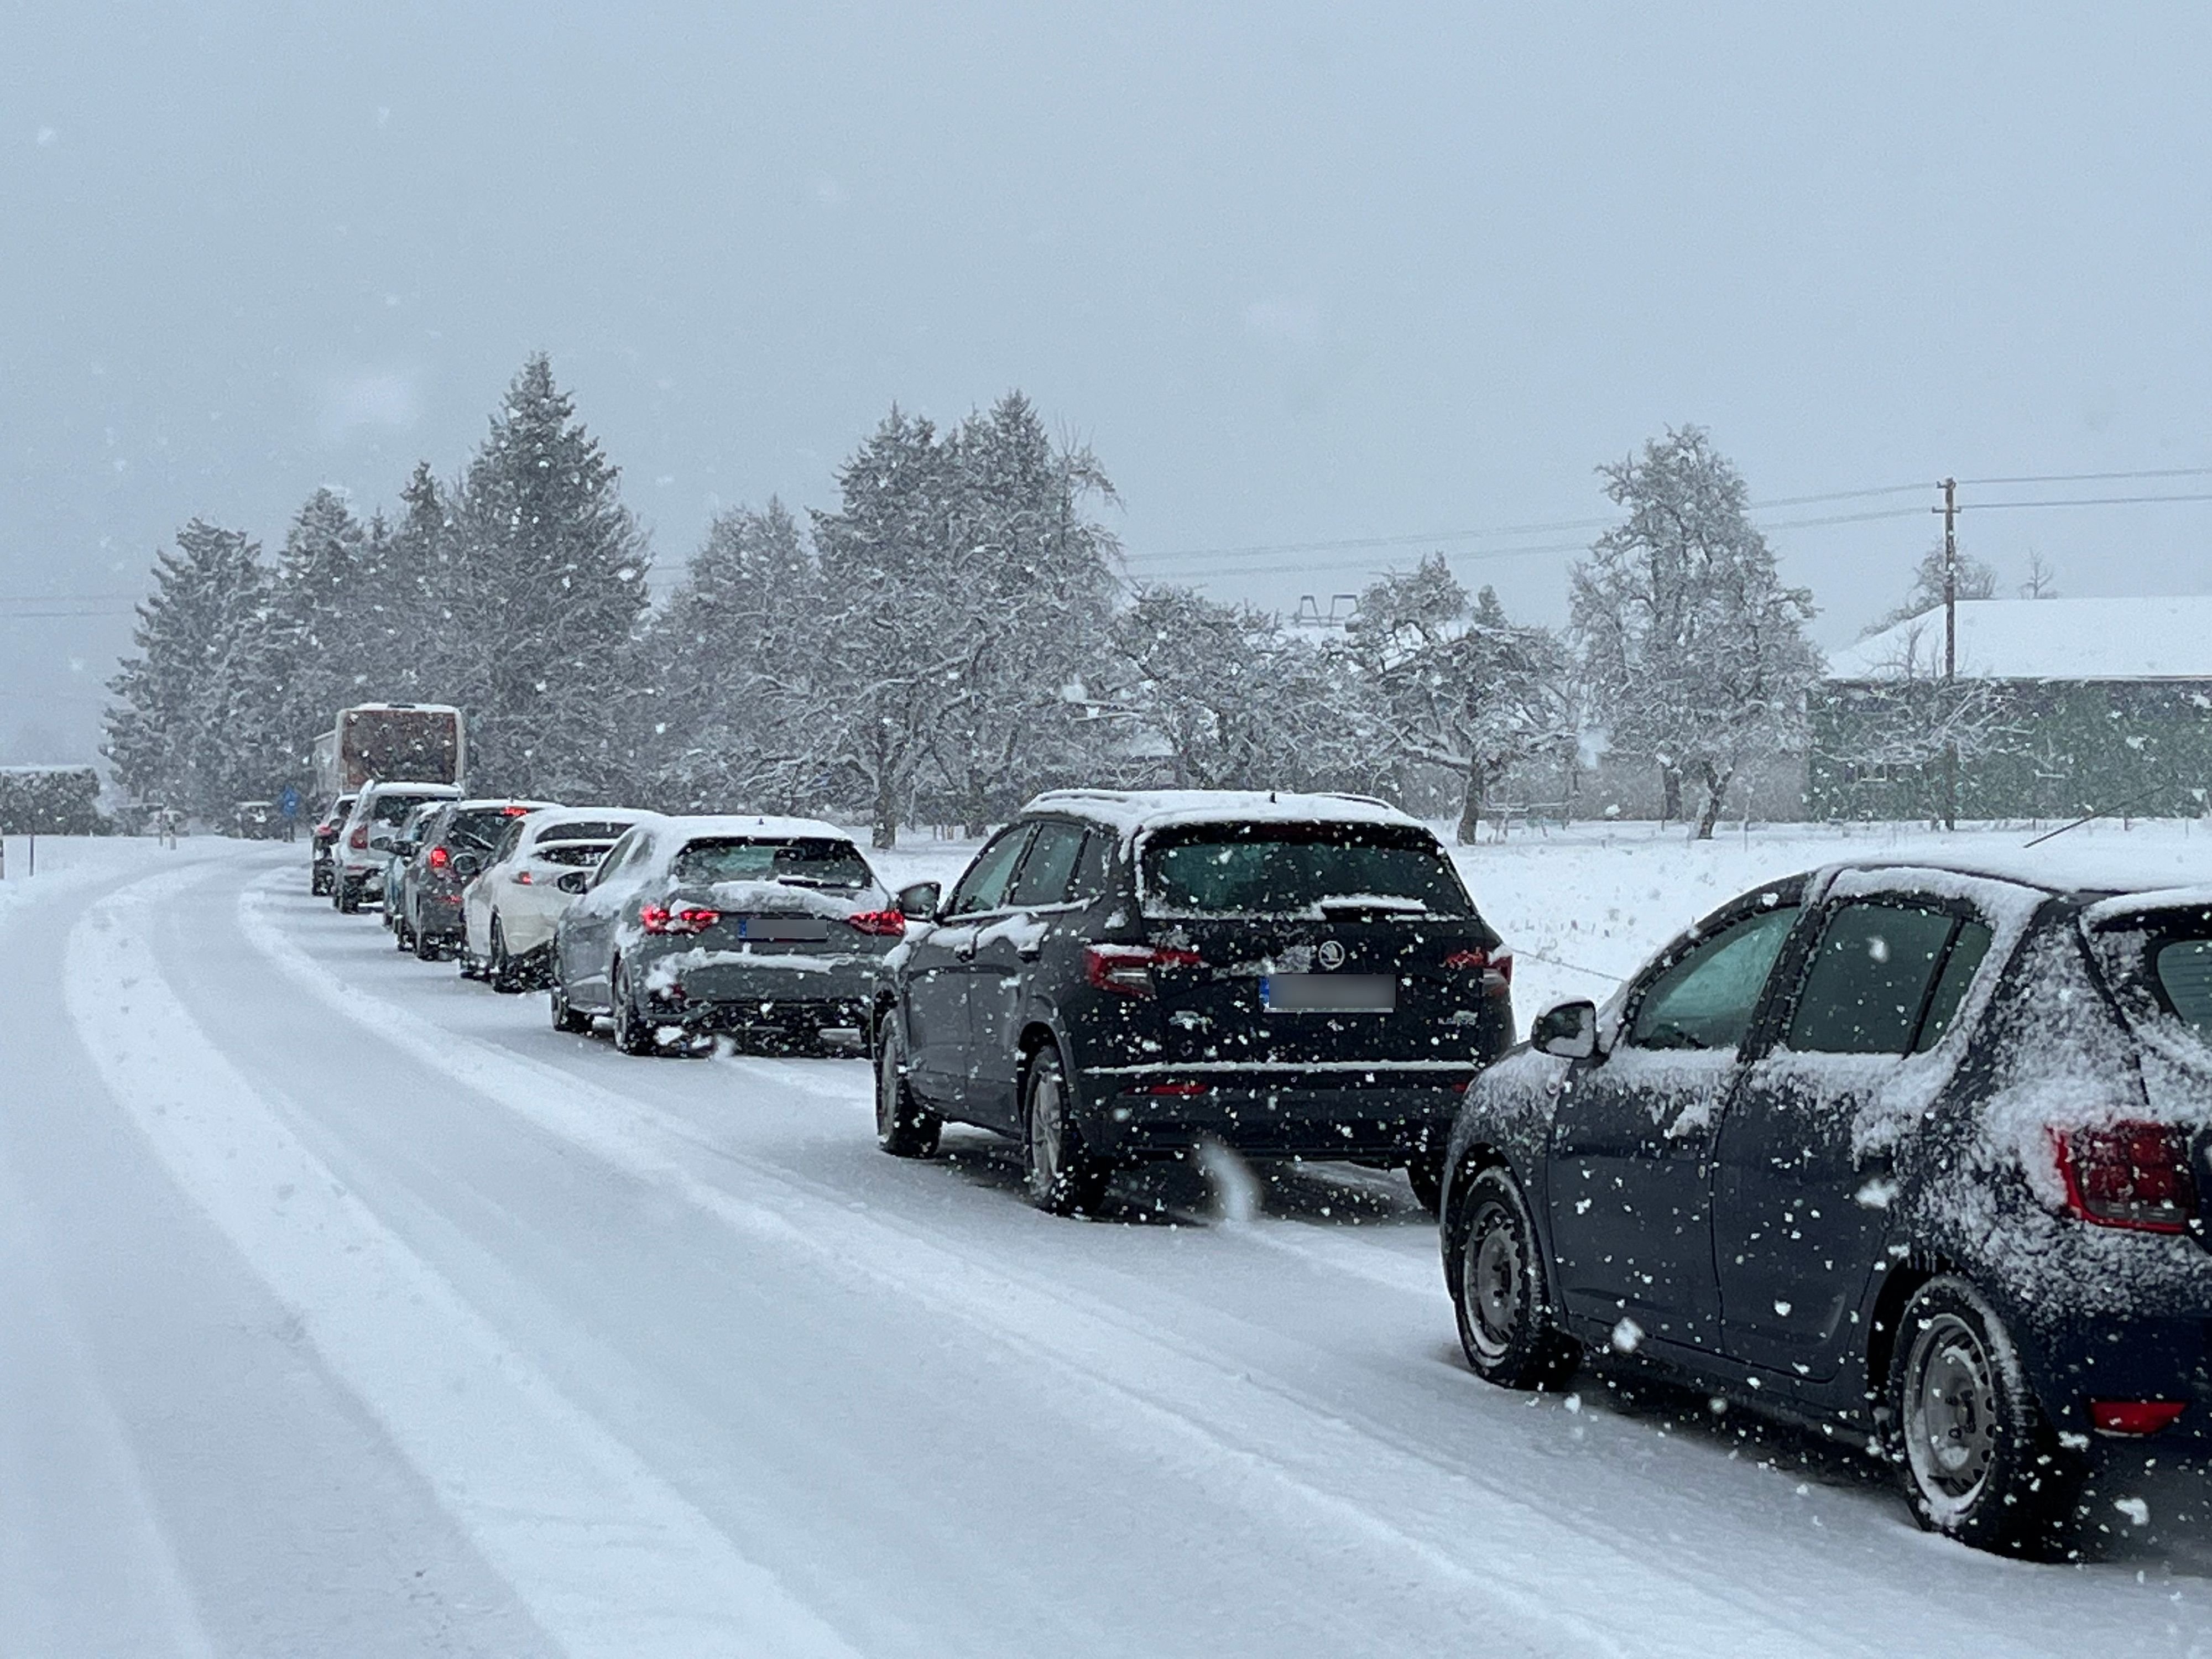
(1978, 1460)
(348, 899)
(904, 1126)
(566, 1019)
(500, 973)
(1063, 1178)
(634, 1034)
(1499, 1291)
(402, 936)
(426, 946)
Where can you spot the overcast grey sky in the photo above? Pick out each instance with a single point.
(1300, 273)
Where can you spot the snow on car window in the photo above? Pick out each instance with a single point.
(1293, 869)
(806, 861)
(1705, 1000)
(1869, 980)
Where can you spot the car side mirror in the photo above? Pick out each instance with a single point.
(574, 882)
(1567, 1029)
(468, 865)
(380, 843)
(919, 903)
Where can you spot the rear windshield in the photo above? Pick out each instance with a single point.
(478, 829)
(810, 861)
(390, 809)
(1299, 869)
(580, 831)
(583, 854)
(2160, 964)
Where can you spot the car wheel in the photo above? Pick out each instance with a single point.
(402, 936)
(1506, 1322)
(1063, 1177)
(566, 1019)
(904, 1126)
(1979, 1461)
(1425, 1175)
(348, 899)
(633, 1034)
(427, 948)
(500, 973)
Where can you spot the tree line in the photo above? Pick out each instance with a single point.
(955, 634)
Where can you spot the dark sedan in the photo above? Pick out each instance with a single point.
(1911, 1152)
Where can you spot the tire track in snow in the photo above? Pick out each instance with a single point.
(1209, 1420)
(609, 1559)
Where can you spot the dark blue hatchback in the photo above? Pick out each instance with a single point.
(1913, 1152)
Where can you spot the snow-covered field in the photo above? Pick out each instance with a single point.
(350, 1309)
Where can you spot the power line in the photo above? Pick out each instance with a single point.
(2088, 501)
(2094, 478)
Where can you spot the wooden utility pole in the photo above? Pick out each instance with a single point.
(1950, 648)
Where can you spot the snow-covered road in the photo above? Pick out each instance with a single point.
(348, 1308)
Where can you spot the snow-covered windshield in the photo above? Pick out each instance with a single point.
(1300, 869)
(802, 861)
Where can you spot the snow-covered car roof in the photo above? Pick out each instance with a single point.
(553, 817)
(486, 803)
(1141, 810)
(2090, 865)
(752, 826)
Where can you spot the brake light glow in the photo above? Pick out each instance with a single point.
(522, 878)
(2130, 1175)
(359, 840)
(886, 924)
(2136, 1416)
(1127, 969)
(515, 811)
(441, 859)
(1495, 966)
(692, 919)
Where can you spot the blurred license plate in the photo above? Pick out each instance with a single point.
(1329, 993)
(784, 930)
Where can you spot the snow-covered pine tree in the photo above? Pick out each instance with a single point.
(1039, 574)
(1459, 686)
(313, 655)
(551, 586)
(172, 704)
(899, 620)
(1692, 650)
(733, 661)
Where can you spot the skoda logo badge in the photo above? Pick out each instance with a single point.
(1331, 954)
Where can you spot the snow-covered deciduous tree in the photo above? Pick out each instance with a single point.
(2042, 581)
(169, 730)
(551, 581)
(1693, 651)
(1974, 580)
(1460, 687)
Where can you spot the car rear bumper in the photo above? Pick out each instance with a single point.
(1359, 1112)
(756, 1014)
(2127, 1360)
(437, 915)
(738, 978)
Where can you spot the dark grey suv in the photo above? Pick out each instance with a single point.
(1124, 976)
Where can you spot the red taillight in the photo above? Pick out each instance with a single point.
(516, 811)
(888, 923)
(2130, 1175)
(692, 919)
(440, 858)
(522, 878)
(2136, 1416)
(359, 840)
(1183, 1089)
(1495, 967)
(1127, 969)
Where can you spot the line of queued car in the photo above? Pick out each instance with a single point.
(1913, 1153)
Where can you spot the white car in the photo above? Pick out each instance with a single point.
(365, 843)
(510, 908)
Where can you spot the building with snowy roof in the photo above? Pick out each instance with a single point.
(2060, 706)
